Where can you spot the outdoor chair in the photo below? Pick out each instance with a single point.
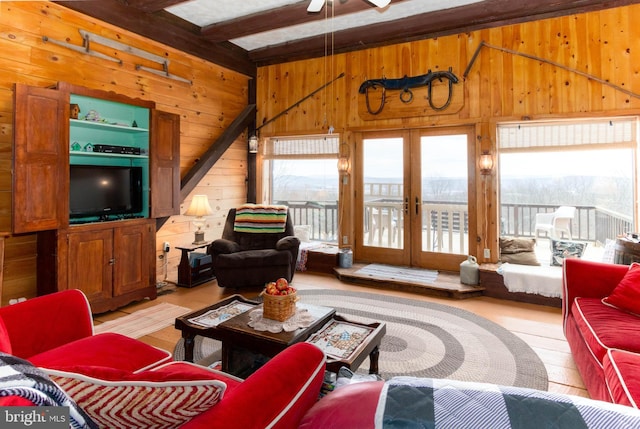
(557, 223)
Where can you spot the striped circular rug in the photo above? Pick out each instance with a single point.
(426, 339)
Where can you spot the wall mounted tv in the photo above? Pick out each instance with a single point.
(104, 191)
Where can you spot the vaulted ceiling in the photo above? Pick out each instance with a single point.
(245, 34)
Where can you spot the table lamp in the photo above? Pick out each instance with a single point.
(199, 208)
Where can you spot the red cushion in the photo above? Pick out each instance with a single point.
(350, 406)
(626, 296)
(283, 390)
(46, 322)
(163, 397)
(107, 350)
(622, 374)
(5, 341)
(604, 327)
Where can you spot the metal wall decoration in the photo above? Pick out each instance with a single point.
(405, 84)
(89, 38)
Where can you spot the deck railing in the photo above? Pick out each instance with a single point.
(446, 222)
(590, 223)
(322, 217)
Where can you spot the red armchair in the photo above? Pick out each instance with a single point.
(55, 333)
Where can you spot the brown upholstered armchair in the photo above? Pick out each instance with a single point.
(243, 259)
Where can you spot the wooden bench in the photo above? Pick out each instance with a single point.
(494, 287)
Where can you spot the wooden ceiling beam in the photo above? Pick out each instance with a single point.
(160, 30)
(151, 6)
(274, 19)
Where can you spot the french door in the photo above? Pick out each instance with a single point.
(413, 194)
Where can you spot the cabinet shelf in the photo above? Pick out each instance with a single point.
(105, 125)
(108, 155)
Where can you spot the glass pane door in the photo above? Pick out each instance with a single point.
(443, 226)
(445, 213)
(412, 197)
(381, 202)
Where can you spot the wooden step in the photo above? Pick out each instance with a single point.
(447, 284)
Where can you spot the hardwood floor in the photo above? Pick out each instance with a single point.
(539, 326)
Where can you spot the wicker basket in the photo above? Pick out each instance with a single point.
(279, 307)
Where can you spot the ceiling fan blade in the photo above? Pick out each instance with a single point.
(315, 6)
(379, 3)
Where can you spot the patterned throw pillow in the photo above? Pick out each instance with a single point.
(561, 250)
(141, 400)
(626, 296)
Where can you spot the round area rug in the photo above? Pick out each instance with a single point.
(425, 339)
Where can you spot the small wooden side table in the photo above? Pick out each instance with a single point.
(190, 276)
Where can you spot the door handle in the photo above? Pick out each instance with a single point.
(406, 206)
(417, 206)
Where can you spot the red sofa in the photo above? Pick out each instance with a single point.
(604, 333)
(110, 371)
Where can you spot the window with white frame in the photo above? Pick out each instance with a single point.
(302, 173)
(584, 163)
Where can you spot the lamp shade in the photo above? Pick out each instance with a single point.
(199, 206)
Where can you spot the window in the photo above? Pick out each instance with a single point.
(588, 164)
(302, 173)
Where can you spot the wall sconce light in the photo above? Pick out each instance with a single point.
(199, 208)
(253, 144)
(344, 163)
(485, 163)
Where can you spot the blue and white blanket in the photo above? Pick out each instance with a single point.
(19, 377)
(408, 402)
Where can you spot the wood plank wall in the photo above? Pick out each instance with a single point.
(206, 108)
(501, 86)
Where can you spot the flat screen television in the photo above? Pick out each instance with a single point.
(99, 190)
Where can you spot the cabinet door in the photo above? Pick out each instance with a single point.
(133, 256)
(164, 171)
(90, 263)
(40, 160)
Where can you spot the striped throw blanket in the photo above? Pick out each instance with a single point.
(260, 218)
(19, 378)
(408, 402)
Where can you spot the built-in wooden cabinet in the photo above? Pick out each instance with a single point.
(109, 257)
(164, 163)
(40, 160)
(111, 262)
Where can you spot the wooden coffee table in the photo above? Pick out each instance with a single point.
(243, 346)
(240, 340)
(190, 329)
